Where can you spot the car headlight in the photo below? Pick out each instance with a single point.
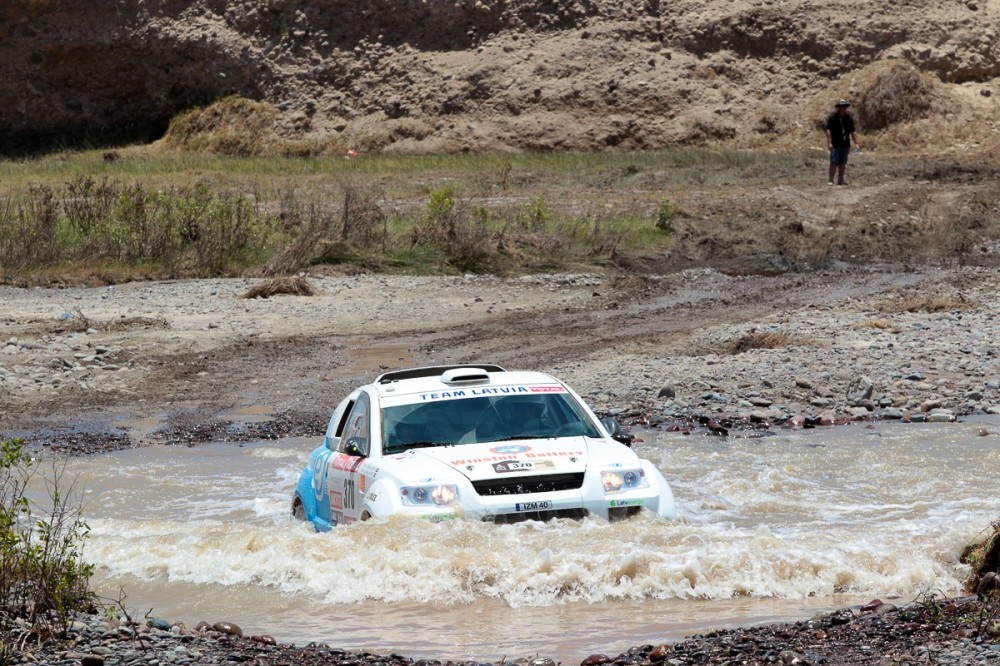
(618, 480)
(441, 495)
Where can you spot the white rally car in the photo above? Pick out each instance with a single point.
(475, 442)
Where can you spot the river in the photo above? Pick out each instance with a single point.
(772, 528)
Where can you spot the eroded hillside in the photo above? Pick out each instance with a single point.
(429, 75)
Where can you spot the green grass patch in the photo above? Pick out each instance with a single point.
(151, 212)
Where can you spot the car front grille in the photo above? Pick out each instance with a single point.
(529, 484)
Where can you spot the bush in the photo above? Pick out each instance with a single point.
(666, 213)
(43, 578)
(898, 93)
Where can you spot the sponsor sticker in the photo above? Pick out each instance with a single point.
(625, 502)
(547, 389)
(490, 390)
(336, 500)
(362, 482)
(511, 449)
(543, 505)
(541, 454)
(346, 463)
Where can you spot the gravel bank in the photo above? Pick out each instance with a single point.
(699, 349)
(932, 631)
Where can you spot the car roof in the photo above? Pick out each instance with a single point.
(451, 377)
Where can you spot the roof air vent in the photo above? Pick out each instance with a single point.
(465, 376)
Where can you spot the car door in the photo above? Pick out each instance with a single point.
(343, 479)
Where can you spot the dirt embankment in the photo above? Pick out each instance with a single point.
(429, 75)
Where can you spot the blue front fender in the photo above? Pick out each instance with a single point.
(305, 494)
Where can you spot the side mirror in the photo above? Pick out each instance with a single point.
(356, 446)
(615, 430)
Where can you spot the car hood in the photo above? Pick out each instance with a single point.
(518, 457)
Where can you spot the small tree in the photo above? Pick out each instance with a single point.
(43, 578)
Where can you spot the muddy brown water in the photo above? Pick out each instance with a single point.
(773, 528)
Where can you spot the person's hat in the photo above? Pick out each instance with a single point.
(842, 102)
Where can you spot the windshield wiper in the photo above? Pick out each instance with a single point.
(507, 439)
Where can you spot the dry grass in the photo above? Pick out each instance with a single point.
(78, 322)
(135, 323)
(879, 324)
(886, 97)
(760, 340)
(896, 93)
(927, 304)
(295, 286)
(238, 127)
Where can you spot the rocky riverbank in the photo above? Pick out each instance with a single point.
(929, 631)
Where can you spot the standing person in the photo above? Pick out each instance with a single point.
(839, 134)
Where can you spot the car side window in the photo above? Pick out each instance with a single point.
(355, 438)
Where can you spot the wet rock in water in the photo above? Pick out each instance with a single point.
(874, 604)
(843, 616)
(542, 661)
(596, 660)
(158, 623)
(859, 412)
(660, 653)
(264, 639)
(228, 628)
(892, 414)
(990, 581)
(788, 657)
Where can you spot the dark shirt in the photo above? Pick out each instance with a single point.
(841, 128)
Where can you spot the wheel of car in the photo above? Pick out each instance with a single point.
(299, 511)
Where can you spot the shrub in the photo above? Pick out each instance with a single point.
(537, 214)
(666, 213)
(440, 207)
(898, 93)
(28, 231)
(230, 126)
(43, 578)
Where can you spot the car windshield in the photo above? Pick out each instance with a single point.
(483, 419)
